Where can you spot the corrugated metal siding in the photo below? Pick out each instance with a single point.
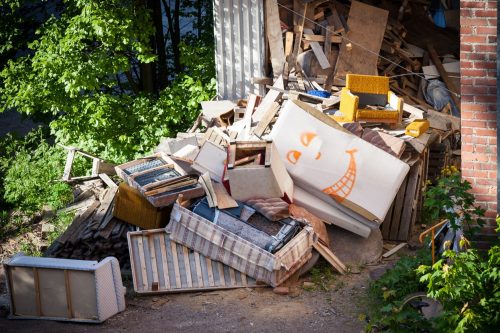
(239, 51)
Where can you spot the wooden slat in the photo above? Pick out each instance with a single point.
(68, 294)
(318, 52)
(199, 272)
(252, 102)
(152, 254)
(393, 250)
(177, 274)
(330, 257)
(144, 275)
(224, 200)
(266, 119)
(187, 266)
(274, 37)
(292, 60)
(222, 279)
(398, 207)
(38, 297)
(164, 261)
(69, 164)
(232, 275)
(409, 202)
(210, 272)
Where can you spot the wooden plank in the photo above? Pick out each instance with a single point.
(288, 52)
(77, 222)
(187, 266)
(38, 298)
(210, 272)
(330, 257)
(69, 164)
(444, 75)
(144, 275)
(266, 119)
(252, 102)
(409, 205)
(398, 207)
(224, 200)
(386, 225)
(198, 269)
(271, 97)
(222, 279)
(318, 52)
(152, 259)
(393, 250)
(164, 260)
(275, 37)
(177, 274)
(330, 38)
(68, 294)
(232, 276)
(292, 60)
(366, 31)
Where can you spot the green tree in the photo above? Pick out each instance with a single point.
(97, 69)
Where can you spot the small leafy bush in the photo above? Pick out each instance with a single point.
(389, 293)
(468, 286)
(449, 199)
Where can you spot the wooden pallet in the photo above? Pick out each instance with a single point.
(160, 265)
(405, 208)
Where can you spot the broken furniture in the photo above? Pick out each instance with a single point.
(160, 265)
(417, 127)
(99, 166)
(209, 239)
(363, 91)
(159, 179)
(255, 170)
(132, 207)
(64, 289)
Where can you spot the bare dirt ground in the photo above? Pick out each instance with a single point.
(241, 310)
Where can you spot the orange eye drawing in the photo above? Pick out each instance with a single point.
(307, 137)
(293, 156)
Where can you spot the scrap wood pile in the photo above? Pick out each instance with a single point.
(248, 195)
(94, 233)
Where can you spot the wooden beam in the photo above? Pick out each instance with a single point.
(296, 45)
(275, 37)
(318, 52)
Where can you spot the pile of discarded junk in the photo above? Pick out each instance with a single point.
(247, 200)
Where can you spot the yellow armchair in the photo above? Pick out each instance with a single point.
(363, 90)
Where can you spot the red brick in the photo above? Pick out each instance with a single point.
(466, 48)
(491, 124)
(488, 182)
(492, 39)
(474, 107)
(477, 157)
(492, 4)
(473, 39)
(472, 4)
(486, 30)
(468, 21)
(485, 99)
(485, 48)
(477, 139)
(485, 115)
(473, 72)
(474, 173)
(474, 123)
(485, 13)
(492, 141)
(485, 197)
(485, 82)
(486, 132)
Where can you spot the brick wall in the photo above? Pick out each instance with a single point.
(478, 20)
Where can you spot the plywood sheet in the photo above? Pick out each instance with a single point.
(160, 265)
(359, 51)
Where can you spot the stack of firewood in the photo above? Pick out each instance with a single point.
(94, 234)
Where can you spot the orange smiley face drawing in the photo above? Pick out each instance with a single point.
(339, 190)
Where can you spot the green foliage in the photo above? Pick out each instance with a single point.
(322, 276)
(30, 175)
(468, 287)
(451, 192)
(389, 293)
(80, 74)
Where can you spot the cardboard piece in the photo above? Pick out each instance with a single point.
(211, 158)
(321, 155)
(268, 180)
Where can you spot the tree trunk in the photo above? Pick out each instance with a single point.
(162, 75)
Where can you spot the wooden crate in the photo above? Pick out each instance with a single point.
(405, 208)
(160, 265)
